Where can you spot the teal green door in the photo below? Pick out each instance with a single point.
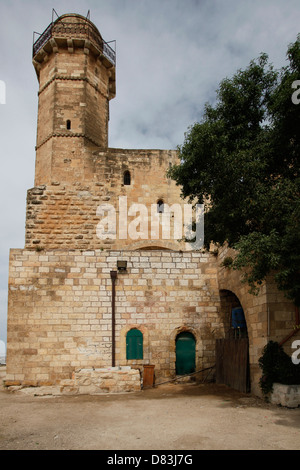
(185, 353)
(134, 344)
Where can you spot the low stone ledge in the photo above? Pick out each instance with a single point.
(104, 380)
(285, 395)
(87, 382)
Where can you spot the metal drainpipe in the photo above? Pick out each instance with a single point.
(113, 275)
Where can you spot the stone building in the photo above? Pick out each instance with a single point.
(76, 312)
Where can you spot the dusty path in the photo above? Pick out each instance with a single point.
(169, 417)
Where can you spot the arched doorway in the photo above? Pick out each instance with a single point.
(185, 353)
(232, 352)
(233, 315)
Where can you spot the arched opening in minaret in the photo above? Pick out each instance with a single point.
(160, 206)
(68, 124)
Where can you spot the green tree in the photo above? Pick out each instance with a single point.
(242, 162)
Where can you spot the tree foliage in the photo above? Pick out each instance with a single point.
(242, 162)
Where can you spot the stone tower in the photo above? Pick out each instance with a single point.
(76, 72)
(75, 170)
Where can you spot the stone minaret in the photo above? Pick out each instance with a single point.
(76, 73)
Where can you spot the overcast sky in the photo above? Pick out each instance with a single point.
(171, 56)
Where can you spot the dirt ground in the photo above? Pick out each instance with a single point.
(167, 417)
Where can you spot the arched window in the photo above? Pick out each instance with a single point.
(127, 178)
(134, 344)
(68, 124)
(160, 206)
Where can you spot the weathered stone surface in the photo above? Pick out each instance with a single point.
(69, 219)
(285, 395)
(96, 381)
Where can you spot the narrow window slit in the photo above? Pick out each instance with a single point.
(127, 178)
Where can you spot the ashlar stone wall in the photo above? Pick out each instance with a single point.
(66, 215)
(60, 311)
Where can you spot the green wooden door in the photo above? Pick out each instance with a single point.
(134, 344)
(185, 353)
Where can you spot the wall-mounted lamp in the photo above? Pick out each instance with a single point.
(122, 265)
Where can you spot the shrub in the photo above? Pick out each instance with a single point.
(277, 366)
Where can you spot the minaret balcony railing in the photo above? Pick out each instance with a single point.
(76, 31)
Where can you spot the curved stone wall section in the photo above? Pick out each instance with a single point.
(269, 315)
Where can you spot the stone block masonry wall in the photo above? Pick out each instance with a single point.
(64, 215)
(59, 312)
